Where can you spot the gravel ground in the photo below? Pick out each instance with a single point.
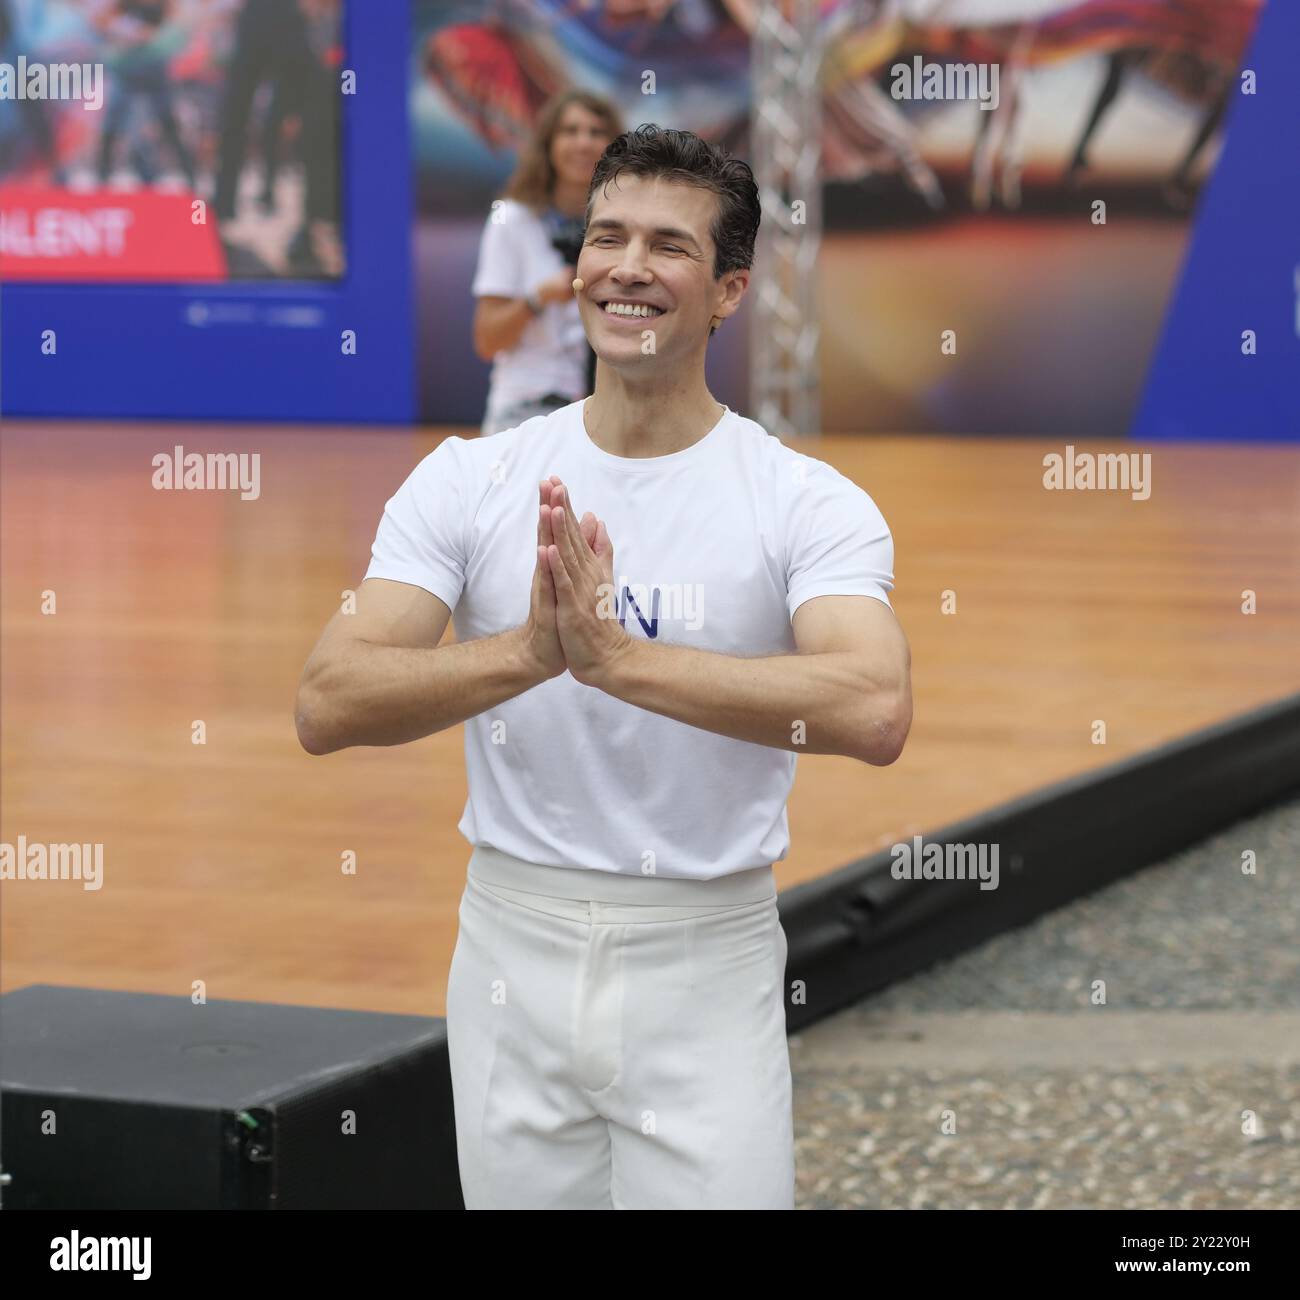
(1052, 1101)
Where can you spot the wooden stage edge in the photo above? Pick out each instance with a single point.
(863, 928)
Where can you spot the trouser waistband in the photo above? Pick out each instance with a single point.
(494, 867)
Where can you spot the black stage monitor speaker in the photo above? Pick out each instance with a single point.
(137, 1101)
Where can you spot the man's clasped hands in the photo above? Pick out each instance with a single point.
(572, 620)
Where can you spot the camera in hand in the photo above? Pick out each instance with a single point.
(566, 239)
(568, 243)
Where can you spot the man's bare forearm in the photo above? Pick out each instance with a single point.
(369, 694)
(806, 703)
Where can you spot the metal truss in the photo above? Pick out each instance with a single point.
(785, 121)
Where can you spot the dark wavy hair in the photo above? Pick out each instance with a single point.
(681, 156)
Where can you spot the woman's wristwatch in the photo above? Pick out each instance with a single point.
(535, 304)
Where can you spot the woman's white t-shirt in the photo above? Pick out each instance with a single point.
(515, 256)
(715, 547)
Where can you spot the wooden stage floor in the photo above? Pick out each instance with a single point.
(222, 861)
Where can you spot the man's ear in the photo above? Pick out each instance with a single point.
(733, 290)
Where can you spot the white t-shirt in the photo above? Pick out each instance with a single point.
(715, 547)
(515, 256)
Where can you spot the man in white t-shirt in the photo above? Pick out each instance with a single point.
(635, 685)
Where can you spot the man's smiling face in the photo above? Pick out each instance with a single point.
(647, 265)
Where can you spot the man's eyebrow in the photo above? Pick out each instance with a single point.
(609, 223)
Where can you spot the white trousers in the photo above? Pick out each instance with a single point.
(619, 1042)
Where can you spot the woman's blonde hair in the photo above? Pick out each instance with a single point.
(533, 180)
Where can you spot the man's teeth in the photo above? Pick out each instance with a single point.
(624, 309)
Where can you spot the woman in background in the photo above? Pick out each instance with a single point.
(526, 321)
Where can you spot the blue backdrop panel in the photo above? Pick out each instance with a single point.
(263, 351)
(1242, 270)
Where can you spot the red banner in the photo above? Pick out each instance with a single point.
(52, 234)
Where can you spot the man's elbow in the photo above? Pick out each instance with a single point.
(308, 720)
(886, 733)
